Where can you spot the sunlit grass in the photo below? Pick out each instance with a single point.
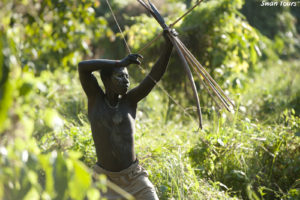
(246, 155)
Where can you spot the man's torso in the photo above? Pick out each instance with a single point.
(113, 131)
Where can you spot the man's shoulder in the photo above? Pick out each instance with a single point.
(127, 100)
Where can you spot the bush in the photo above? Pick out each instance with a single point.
(28, 100)
(252, 160)
(277, 23)
(217, 34)
(256, 153)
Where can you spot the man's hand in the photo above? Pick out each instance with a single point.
(169, 31)
(172, 31)
(131, 59)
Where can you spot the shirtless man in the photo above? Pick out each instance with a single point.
(112, 116)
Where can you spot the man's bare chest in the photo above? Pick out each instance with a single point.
(120, 117)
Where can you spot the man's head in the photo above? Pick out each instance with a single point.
(115, 80)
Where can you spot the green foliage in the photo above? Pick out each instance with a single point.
(256, 159)
(5, 84)
(27, 174)
(217, 34)
(248, 157)
(271, 21)
(73, 137)
(53, 33)
(162, 148)
(31, 42)
(225, 43)
(267, 100)
(253, 154)
(275, 22)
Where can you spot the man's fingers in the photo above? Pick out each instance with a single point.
(174, 32)
(136, 56)
(171, 31)
(137, 62)
(139, 56)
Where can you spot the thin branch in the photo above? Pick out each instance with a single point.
(185, 14)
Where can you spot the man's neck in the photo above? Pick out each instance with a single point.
(112, 98)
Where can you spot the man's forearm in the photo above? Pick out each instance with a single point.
(97, 64)
(160, 66)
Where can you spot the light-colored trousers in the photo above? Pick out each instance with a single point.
(133, 180)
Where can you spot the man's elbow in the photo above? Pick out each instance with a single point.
(80, 66)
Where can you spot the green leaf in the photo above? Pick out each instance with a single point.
(6, 87)
(1, 190)
(33, 194)
(46, 166)
(253, 55)
(80, 182)
(93, 194)
(52, 118)
(61, 177)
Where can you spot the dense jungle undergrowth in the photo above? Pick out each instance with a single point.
(46, 148)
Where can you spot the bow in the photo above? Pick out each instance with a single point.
(189, 61)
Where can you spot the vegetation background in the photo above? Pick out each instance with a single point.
(46, 148)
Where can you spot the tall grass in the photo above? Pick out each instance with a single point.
(256, 155)
(251, 154)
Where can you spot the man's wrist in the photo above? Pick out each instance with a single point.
(118, 63)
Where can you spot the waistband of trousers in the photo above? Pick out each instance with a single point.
(126, 171)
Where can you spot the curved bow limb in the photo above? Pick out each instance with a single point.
(153, 11)
(159, 18)
(170, 26)
(210, 80)
(196, 66)
(190, 76)
(144, 5)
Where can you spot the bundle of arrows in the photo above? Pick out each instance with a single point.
(190, 62)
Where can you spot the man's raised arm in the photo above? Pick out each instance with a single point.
(157, 71)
